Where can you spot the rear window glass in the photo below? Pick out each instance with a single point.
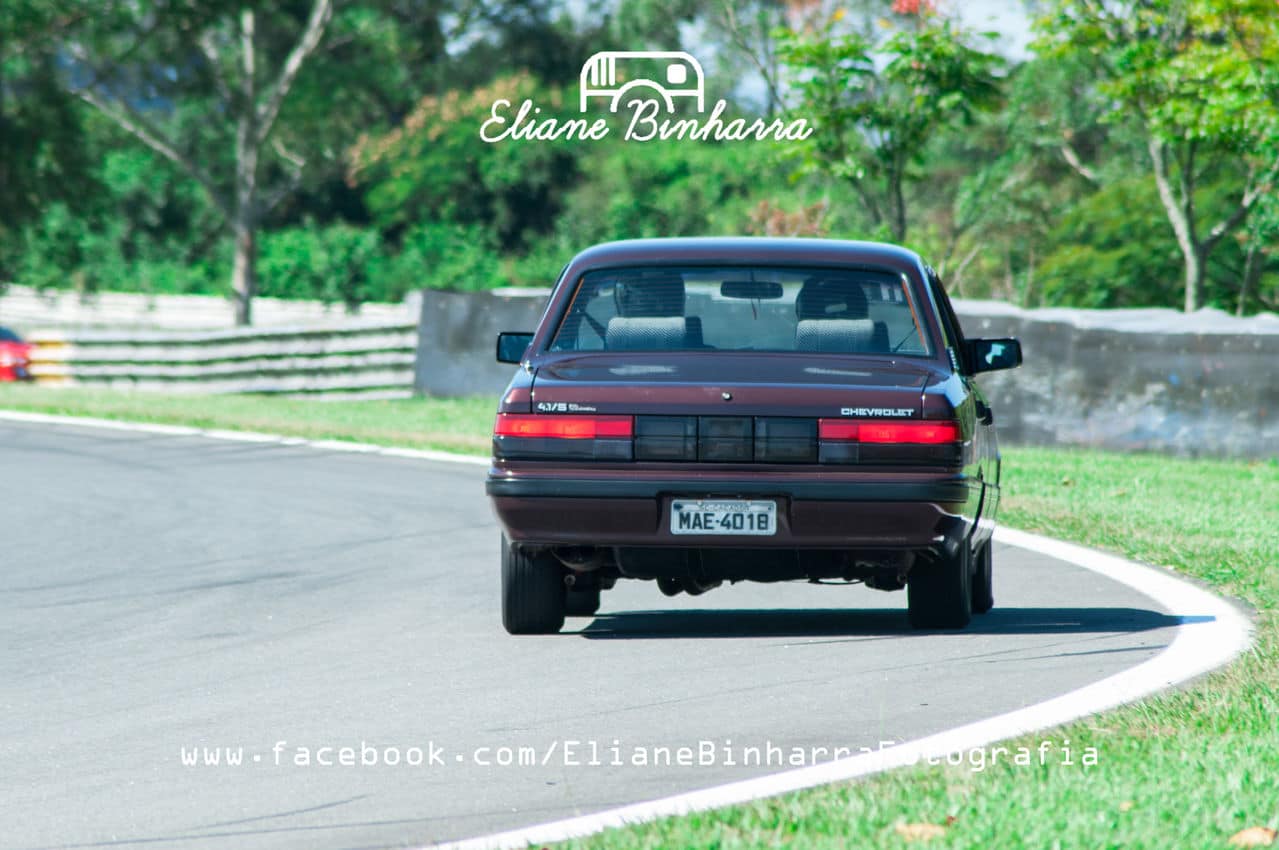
(7, 335)
(753, 308)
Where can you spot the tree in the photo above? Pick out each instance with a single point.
(1020, 171)
(43, 157)
(876, 107)
(432, 167)
(1198, 78)
(135, 62)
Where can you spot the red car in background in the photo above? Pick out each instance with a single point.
(15, 357)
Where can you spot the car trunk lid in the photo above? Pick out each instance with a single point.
(731, 384)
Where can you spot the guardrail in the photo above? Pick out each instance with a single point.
(365, 359)
(29, 309)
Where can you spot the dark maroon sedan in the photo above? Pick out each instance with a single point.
(694, 411)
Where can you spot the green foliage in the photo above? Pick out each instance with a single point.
(1194, 77)
(876, 107)
(43, 158)
(1185, 65)
(343, 264)
(1035, 185)
(434, 167)
(541, 266)
(439, 255)
(329, 264)
(1106, 258)
(671, 188)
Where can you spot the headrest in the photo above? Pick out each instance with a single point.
(651, 295)
(831, 298)
(835, 336)
(645, 333)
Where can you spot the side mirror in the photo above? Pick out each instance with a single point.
(511, 346)
(989, 355)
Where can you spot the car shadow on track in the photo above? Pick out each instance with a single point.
(815, 622)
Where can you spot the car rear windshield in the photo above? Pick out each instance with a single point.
(743, 308)
(7, 335)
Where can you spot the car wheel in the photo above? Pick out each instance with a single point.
(582, 603)
(939, 592)
(983, 580)
(532, 592)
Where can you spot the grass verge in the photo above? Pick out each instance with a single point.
(1189, 769)
(458, 424)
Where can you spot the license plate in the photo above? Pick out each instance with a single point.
(723, 516)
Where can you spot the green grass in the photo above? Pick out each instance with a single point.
(1187, 769)
(459, 425)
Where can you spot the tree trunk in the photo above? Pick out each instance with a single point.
(899, 208)
(1028, 293)
(244, 282)
(1194, 276)
(1181, 215)
(244, 275)
(1254, 264)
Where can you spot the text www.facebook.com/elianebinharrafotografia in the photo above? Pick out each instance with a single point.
(615, 753)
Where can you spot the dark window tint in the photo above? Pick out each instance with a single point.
(743, 308)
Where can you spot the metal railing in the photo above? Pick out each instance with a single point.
(364, 359)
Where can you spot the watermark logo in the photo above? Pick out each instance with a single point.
(682, 73)
(647, 84)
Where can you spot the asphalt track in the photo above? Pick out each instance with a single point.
(163, 592)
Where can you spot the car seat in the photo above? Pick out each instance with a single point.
(832, 317)
(650, 314)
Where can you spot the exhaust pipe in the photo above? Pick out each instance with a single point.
(579, 558)
(669, 586)
(691, 586)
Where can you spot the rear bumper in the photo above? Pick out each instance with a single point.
(943, 492)
(814, 512)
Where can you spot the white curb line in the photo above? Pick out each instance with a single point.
(239, 436)
(1213, 632)
(1216, 633)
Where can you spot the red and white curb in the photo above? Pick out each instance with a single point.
(1212, 633)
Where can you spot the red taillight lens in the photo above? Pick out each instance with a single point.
(564, 427)
(837, 429)
(929, 433)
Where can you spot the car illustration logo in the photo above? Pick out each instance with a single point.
(681, 72)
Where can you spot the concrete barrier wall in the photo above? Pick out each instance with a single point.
(368, 359)
(1205, 384)
(458, 337)
(30, 310)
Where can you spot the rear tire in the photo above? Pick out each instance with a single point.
(939, 591)
(532, 592)
(581, 603)
(984, 580)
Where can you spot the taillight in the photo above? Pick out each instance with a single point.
(538, 436)
(926, 433)
(933, 443)
(563, 427)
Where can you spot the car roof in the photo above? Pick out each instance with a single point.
(783, 250)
